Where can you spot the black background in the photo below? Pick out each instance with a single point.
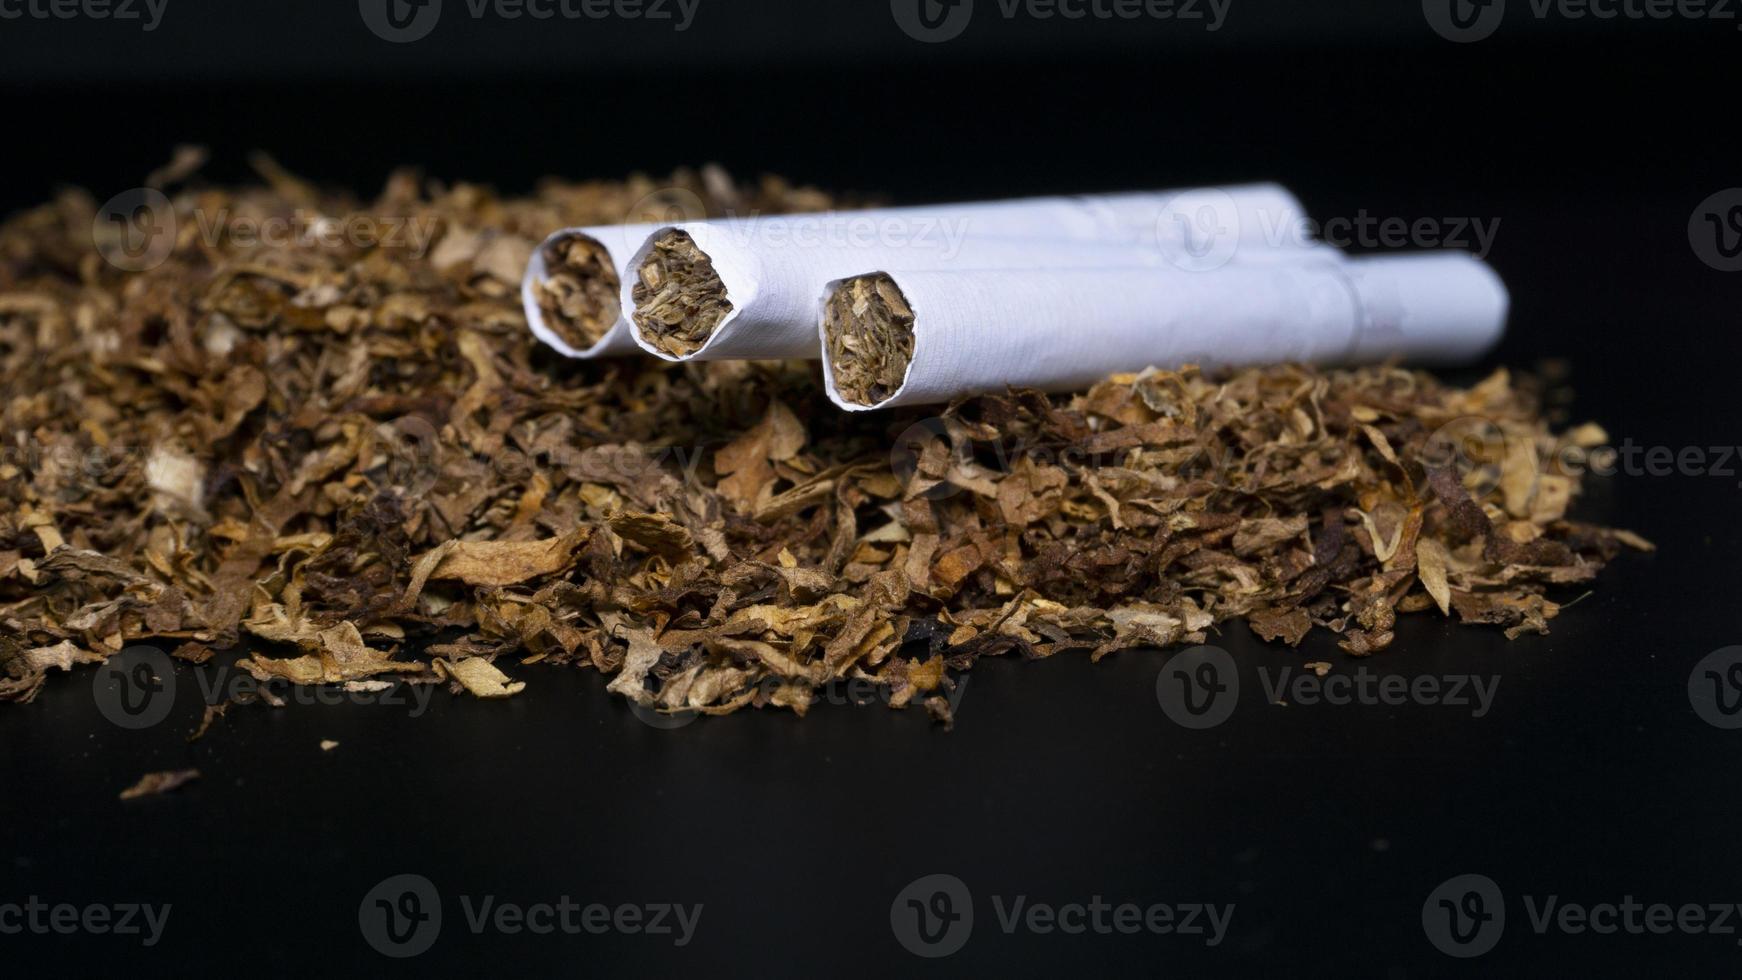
(1592, 144)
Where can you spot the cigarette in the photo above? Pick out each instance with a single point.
(905, 338)
(571, 288)
(747, 289)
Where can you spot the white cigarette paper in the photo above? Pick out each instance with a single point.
(985, 331)
(769, 270)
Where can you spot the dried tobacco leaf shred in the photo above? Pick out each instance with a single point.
(158, 783)
(351, 463)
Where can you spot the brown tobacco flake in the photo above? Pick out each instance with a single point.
(747, 465)
(212, 713)
(498, 563)
(1288, 625)
(481, 678)
(679, 298)
(157, 783)
(354, 464)
(868, 327)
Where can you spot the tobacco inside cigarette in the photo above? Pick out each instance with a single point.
(679, 298)
(579, 294)
(868, 330)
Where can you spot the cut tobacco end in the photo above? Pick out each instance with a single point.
(868, 337)
(579, 294)
(679, 298)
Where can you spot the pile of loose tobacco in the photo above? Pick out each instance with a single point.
(344, 459)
